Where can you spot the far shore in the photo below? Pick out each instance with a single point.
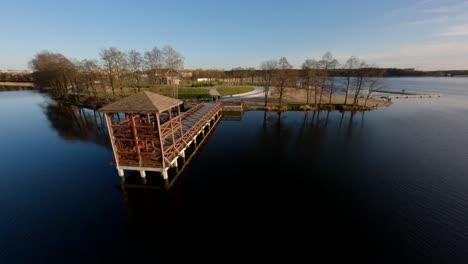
(293, 100)
(17, 84)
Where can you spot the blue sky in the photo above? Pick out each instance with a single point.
(422, 34)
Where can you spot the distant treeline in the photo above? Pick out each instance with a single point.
(394, 72)
(15, 77)
(387, 72)
(253, 75)
(115, 70)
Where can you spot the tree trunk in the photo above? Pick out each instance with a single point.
(321, 93)
(347, 90)
(358, 90)
(266, 90)
(111, 81)
(315, 96)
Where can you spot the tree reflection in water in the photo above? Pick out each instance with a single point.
(77, 123)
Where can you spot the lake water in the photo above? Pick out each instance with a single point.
(389, 185)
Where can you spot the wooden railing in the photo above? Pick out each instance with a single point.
(172, 151)
(192, 110)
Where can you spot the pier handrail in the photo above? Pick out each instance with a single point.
(171, 152)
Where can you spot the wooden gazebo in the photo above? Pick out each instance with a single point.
(146, 132)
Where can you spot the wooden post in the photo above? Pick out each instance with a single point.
(111, 136)
(161, 143)
(180, 120)
(172, 129)
(135, 136)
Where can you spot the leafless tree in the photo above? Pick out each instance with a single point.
(360, 74)
(313, 78)
(326, 65)
(173, 60)
(282, 77)
(349, 69)
(373, 82)
(268, 70)
(252, 73)
(154, 62)
(89, 71)
(112, 59)
(307, 67)
(135, 63)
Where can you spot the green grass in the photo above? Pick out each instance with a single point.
(229, 90)
(204, 84)
(184, 93)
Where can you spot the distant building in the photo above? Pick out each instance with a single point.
(205, 79)
(186, 74)
(172, 77)
(16, 72)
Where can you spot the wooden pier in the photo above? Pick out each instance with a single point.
(403, 95)
(153, 133)
(232, 106)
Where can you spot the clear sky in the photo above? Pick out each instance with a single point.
(422, 34)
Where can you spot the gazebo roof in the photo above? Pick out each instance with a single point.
(144, 102)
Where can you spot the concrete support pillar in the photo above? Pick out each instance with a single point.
(143, 174)
(121, 172)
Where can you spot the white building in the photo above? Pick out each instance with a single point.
(205, 79)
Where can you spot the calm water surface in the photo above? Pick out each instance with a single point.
(388, 185)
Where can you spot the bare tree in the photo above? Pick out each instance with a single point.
(153, 63)
(326, 65)
(282, 78)
(373, 81)
(89, 72)
(268, 69)
(173, 60)
(55, 71)
(360, 75)
(252, 73)
(349, 70)
(135, 63)
(313, 78)
(307, 78)
(112, 59)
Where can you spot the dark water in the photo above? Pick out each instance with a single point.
(386, 186)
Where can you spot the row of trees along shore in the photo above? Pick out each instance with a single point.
(115, 70)
(134, 70)
(318, 78)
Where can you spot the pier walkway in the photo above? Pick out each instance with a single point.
(154, 133)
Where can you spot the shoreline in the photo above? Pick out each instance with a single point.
(249, 105)
(293, 101)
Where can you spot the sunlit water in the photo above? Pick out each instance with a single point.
(388, 185)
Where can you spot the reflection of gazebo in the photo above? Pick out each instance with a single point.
(145, 131)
